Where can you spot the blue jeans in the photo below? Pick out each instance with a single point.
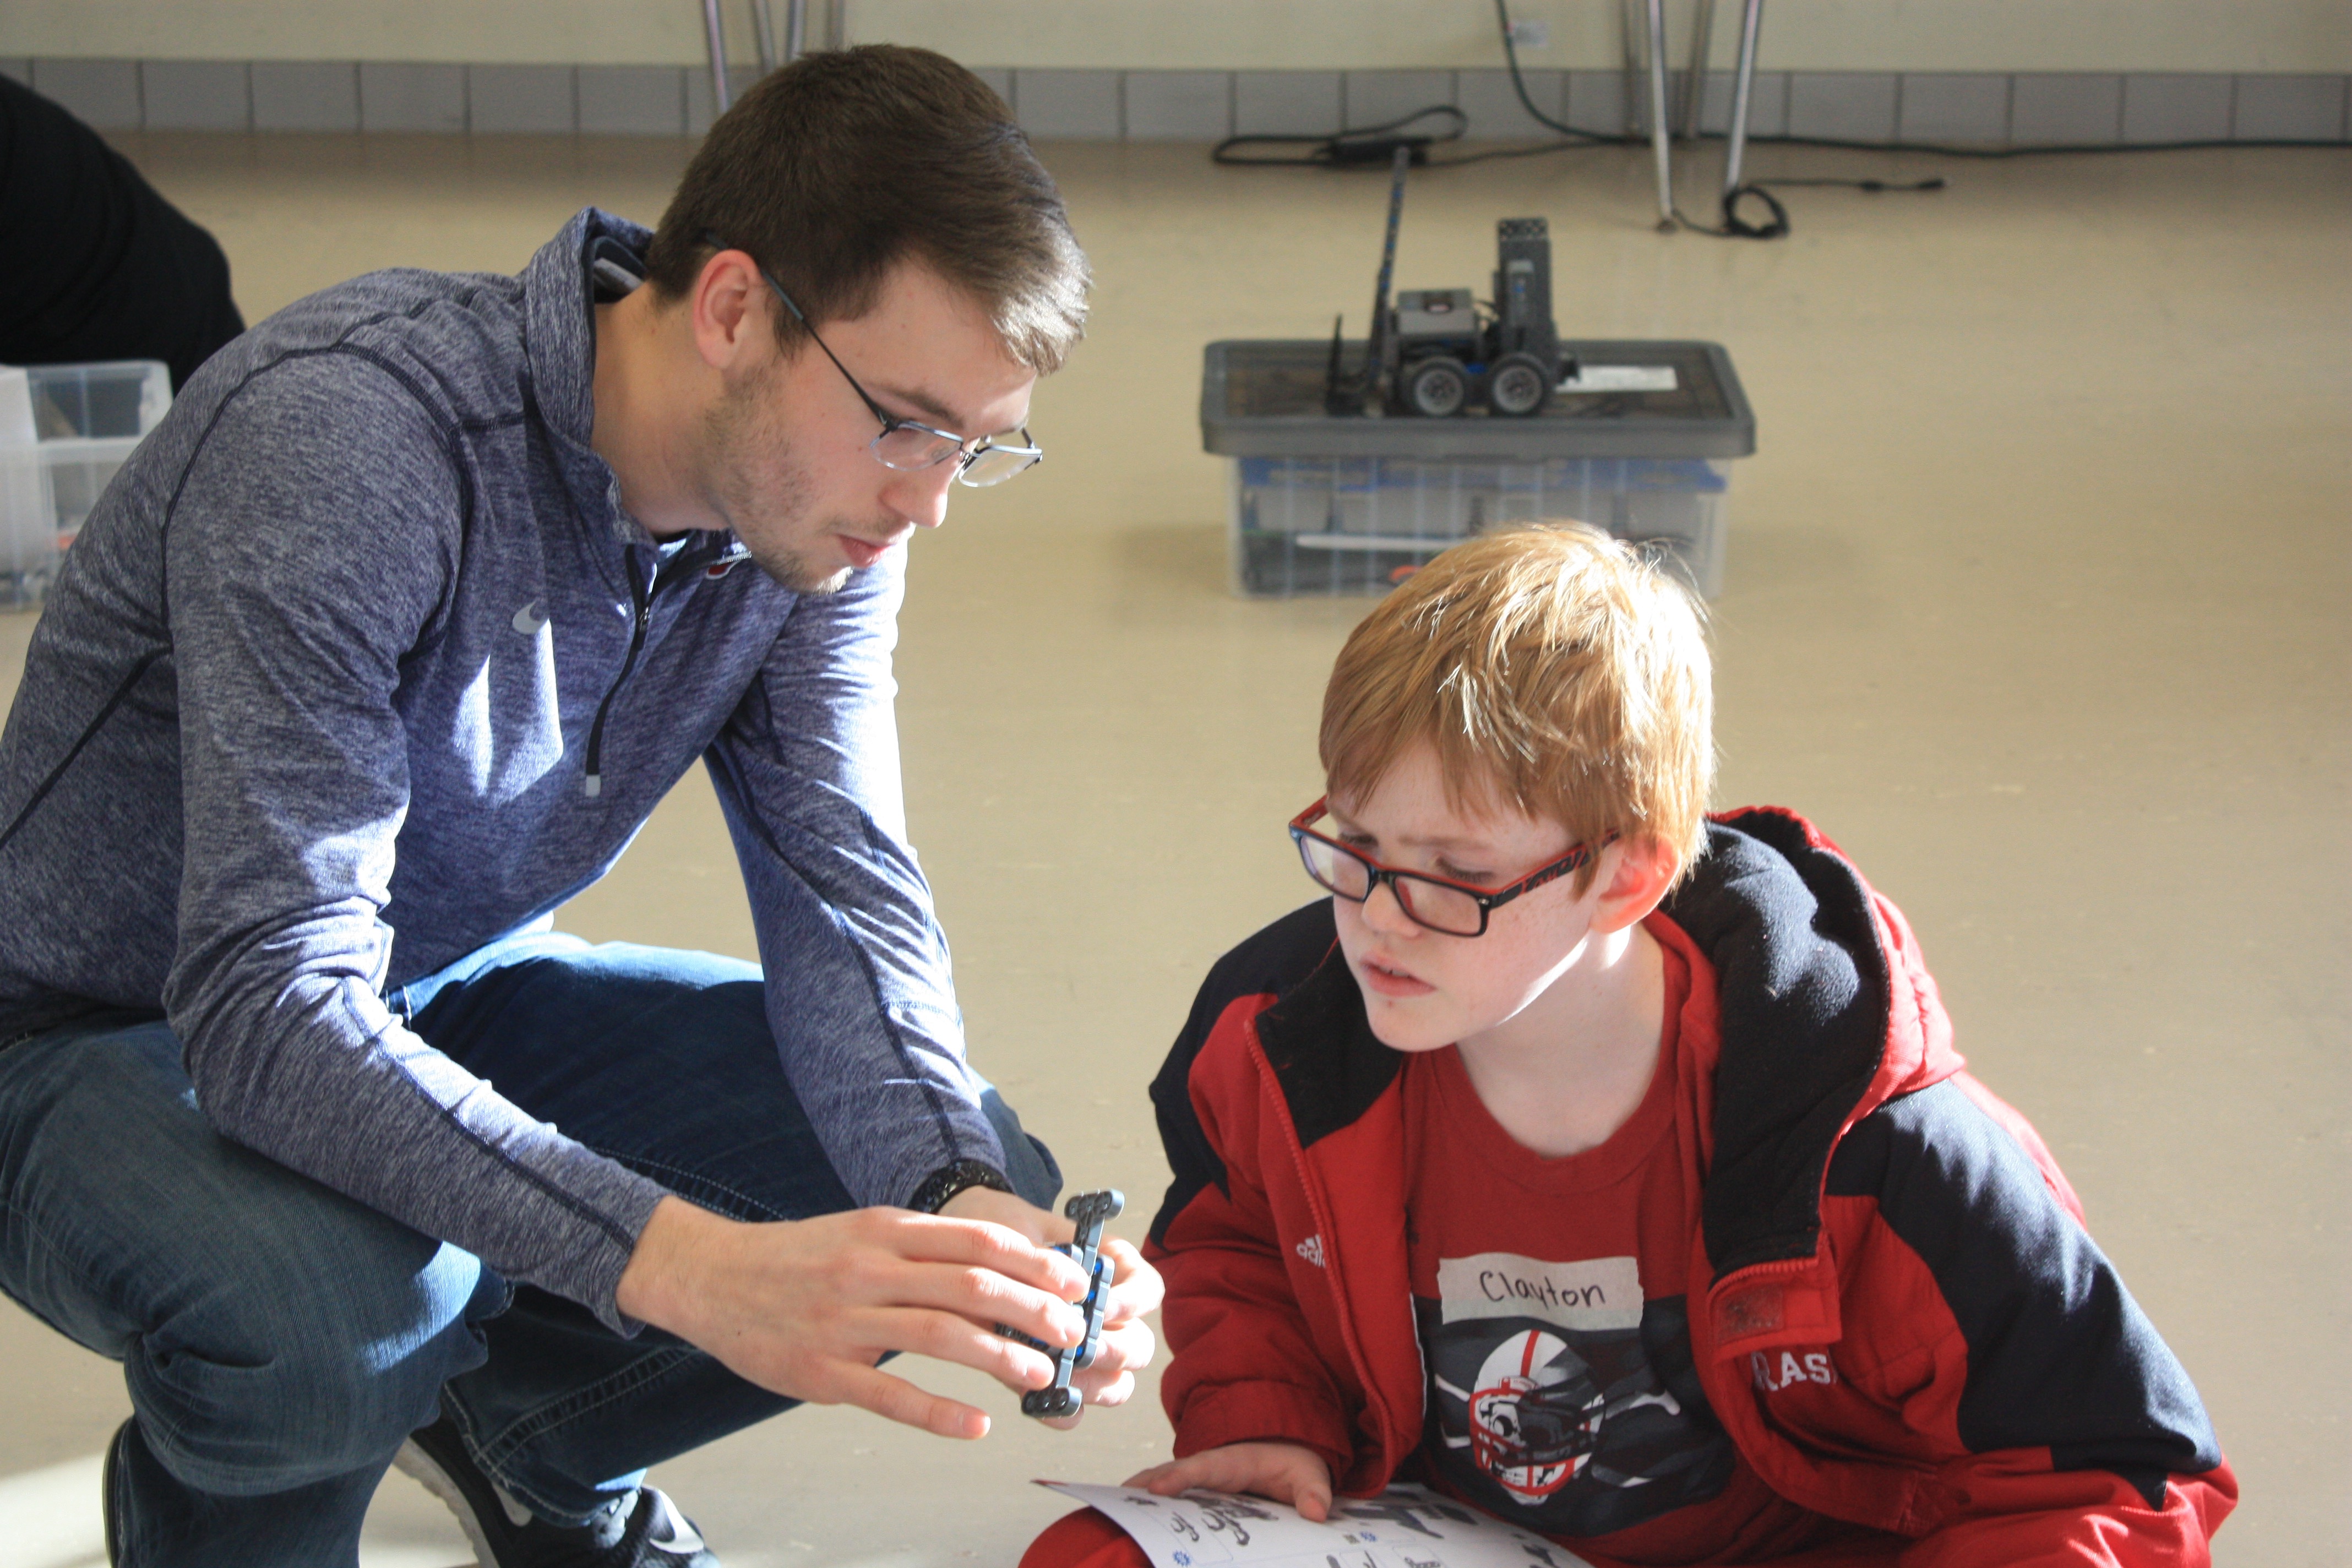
(281, 1341)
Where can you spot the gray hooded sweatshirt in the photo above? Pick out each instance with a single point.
(359, 664)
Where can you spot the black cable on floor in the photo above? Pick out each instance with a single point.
(1363, 146)
(1372, 146)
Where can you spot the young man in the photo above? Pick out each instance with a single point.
(1611, 1168)
(383, 646)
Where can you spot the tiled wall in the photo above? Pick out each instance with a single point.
(282, 95)
(1202, 106)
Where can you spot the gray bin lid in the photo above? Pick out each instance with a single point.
(1263, 398)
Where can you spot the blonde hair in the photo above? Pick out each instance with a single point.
(1553, 671)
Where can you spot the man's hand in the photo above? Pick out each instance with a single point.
(805, 1308)
(1283, 1471)
(1128, 1342)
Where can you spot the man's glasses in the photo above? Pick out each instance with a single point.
(907, 446)
(1455, 908)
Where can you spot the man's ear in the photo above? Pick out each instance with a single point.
(1635, 876)
(729, 309)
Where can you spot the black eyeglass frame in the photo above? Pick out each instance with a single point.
(1488, 900)
(891, 423)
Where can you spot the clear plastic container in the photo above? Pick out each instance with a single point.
(1338, 502)
(1357, 525)
(64, 431)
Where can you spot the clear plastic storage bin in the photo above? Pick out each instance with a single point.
(1347, 525)
(64, 431)
(1324, 503)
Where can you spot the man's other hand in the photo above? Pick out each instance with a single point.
(1128, 1342)
(805, 1308)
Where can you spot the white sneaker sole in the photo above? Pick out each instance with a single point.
(425, 1471)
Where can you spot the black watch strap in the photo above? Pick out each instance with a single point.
(949, 1179)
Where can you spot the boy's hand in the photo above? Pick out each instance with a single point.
(805, 1308)
(1283, 1471)
(1127, 1342)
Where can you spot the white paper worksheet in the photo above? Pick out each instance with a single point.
(1404, 1527)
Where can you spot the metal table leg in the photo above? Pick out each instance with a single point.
(1628, 30)
(1661, 148)
(763, 30)
(1751, 22)
(716, 31)
(1695, 84)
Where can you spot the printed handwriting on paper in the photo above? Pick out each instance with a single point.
(1404, 1527)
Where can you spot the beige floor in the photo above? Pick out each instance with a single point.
(2036, 600)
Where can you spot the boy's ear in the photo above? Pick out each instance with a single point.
(1635, 876)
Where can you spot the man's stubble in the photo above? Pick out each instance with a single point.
(760, 486)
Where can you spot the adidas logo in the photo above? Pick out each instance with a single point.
(1311, 1249)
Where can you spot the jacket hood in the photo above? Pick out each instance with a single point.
(1827, 1012)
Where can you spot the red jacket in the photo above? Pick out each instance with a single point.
(1895, 1310)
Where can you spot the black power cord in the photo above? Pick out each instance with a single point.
(1775, 226)
(1370, 146)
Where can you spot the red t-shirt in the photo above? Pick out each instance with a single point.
(1551, 1299)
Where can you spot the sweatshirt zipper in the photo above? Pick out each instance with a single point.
(686, 562)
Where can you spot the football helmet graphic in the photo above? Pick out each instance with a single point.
(1534, 1415)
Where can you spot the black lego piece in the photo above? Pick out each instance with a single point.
(1057, 1398)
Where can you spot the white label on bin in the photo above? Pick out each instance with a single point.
(1621, 378)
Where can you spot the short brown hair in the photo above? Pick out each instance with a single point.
(838, 166)
(1553, 671)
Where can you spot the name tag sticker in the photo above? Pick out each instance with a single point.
(1595, 1294)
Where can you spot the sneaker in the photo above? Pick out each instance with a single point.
(644, 1530)
(106, 1484)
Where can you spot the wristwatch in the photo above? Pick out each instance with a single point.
(949, 1179)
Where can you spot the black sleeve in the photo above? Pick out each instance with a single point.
(97, 266)
(1269, 963)
(2060, 1356)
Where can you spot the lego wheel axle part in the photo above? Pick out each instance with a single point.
(1087, 1211)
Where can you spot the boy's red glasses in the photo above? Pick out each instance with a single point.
(1454, 908)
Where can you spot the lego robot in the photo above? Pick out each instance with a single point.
(1438, 352)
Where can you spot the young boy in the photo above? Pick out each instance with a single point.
(1609, 1167)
